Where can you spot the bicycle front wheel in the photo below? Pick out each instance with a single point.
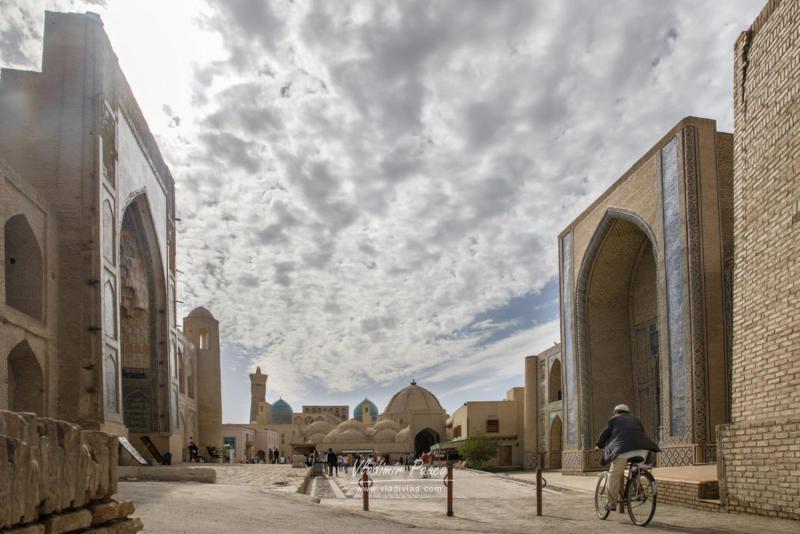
(641, 496)
(601, 496)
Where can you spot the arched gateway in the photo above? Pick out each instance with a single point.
(643, 301)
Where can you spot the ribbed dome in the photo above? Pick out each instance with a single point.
(412, 398)
(358, 411)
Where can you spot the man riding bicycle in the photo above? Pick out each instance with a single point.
(624, 437)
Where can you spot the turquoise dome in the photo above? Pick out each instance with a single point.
(281, 413)
(358, 412)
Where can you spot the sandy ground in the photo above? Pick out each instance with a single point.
(246, 499)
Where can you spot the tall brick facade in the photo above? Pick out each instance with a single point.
(760, 451)
(88, 328)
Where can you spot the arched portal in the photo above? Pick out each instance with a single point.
(24, 267)
(424, 439)
(25, 380)
(555, 435)
(143, 322)
(554, 382)
(620, 331)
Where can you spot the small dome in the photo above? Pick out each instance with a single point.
(351, 435)
(387, 435)
(200, 313)
(412, 398)
(281, 413)
(281, 407)
(318, 427)
(387, 424)
(316, 438)
(331, 436)
(351, 424)
(403, 435)
(365, 406)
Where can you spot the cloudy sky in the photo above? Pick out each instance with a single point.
(370, 191)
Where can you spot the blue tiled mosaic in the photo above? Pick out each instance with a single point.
(568, 341)
(677, 310)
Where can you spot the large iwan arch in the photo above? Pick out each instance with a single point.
(143, 323)
(618, 338)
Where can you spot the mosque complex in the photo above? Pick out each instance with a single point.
(679, 290)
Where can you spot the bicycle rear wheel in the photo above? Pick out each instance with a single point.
(601, 496)
(641, 496)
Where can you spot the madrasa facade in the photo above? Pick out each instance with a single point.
(89, 329)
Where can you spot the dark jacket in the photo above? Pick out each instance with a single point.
(332, 458)
(623, 433)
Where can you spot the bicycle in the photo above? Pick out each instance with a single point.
(638, 496)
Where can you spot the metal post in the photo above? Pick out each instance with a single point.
(539, 485)
(365, 490)
(449, 489)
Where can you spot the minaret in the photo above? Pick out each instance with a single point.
(203, 331)
(258, 392)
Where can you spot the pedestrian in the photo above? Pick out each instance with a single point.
(331, 462)
(426, 464)
(193, 450)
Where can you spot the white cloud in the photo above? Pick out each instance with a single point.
(359, 180)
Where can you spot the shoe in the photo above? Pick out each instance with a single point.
(610, 507)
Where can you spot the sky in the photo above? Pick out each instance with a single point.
(370, 192)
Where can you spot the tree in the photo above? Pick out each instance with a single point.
(477, 450)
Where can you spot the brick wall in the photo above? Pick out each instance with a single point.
(760, 462)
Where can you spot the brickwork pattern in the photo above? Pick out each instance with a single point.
(760, 467)
(700, 496)
(759, 453)
(766, 357)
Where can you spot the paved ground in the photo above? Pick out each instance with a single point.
(246, 499)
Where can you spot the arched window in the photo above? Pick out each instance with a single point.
(554, 382)
(25, 380)
(203, 339)
(111, 384)
(109, 310)
(190, 380)
(109, 244)
(24, 267)
(182, 373)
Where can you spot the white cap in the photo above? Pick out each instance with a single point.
(622, 408)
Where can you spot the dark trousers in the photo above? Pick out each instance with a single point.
(330, 469)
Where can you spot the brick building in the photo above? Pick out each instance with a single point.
(644, 300)
(87, 292)
(760, 451)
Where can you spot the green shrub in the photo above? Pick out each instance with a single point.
(477, 450)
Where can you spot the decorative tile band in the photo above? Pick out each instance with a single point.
(570, 372)
(676, 284)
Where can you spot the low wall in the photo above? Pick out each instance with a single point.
(57, 478)
(168, 473)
